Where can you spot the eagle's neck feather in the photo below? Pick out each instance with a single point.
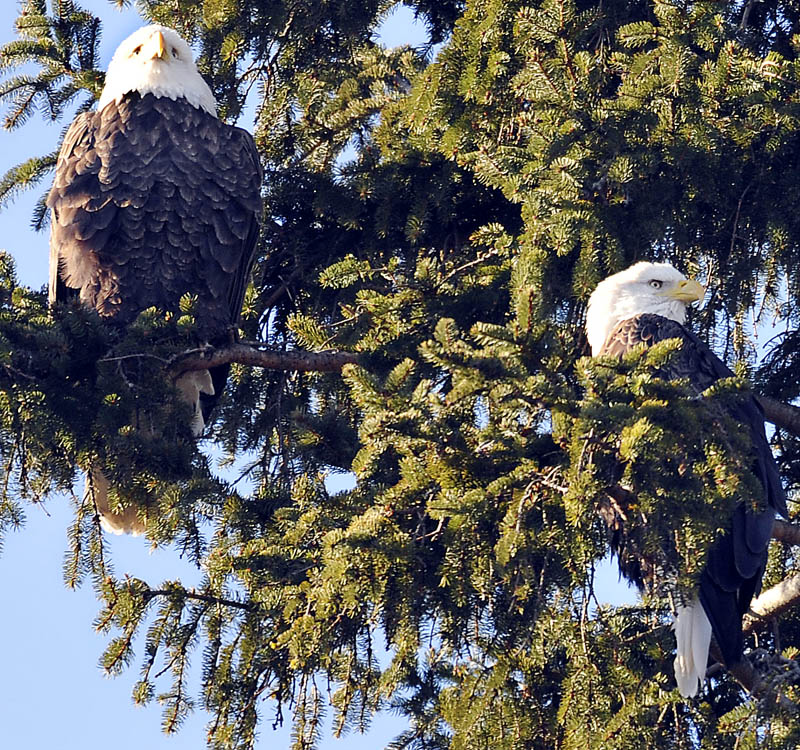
(155, 80)
(607, 311)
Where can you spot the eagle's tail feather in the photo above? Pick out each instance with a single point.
(126, 521)
(693, 634)
(190, 385)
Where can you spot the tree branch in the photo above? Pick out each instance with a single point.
(620, 499)
(781, 415)
(788, 533)
(754, 683)
(244, 354)
(743, 671)
(773, 602)
(197, 596)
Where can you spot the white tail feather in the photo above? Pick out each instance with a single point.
(124, 522)
(693, 634)
(190, 385)
(128, 521)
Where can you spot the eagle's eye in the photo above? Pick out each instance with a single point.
(137, 50)
(175, 52)
(655, 283)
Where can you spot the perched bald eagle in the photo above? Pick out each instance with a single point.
(154, 197)
(646, 304)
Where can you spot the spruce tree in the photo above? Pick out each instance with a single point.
(436, 218)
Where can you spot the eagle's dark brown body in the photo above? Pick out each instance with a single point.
(154, 198)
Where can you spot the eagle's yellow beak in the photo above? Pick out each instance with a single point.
(156, 47)
(687, 291)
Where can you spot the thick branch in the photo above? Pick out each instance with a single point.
(788, 533)
(743, 671)
(773, 602)
(781, 415)
(296, 359)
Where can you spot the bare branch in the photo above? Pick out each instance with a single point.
(773, 602)
(295, 359)
(781, 415)
(788, 533)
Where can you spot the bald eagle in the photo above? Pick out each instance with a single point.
(645, 304)
(154, 198)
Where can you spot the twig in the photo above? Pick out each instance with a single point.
(138, 355)
(736, 219)
(746, 14)
(249, 606)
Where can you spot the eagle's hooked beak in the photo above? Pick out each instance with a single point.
(156, 47)
(687, 291)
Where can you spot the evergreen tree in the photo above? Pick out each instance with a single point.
(434, 226)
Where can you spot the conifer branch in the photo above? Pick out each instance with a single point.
(207, 598)
(619, 499)
(244, 354)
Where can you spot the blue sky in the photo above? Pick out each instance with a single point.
(54, 694)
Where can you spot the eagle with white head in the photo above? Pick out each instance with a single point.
(154, 198)
(645, 304)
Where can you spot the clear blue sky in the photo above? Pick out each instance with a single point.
(54, 694)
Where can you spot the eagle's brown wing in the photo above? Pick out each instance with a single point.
(737, 560)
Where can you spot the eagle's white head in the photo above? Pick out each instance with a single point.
(156, 60)
(656, 288)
